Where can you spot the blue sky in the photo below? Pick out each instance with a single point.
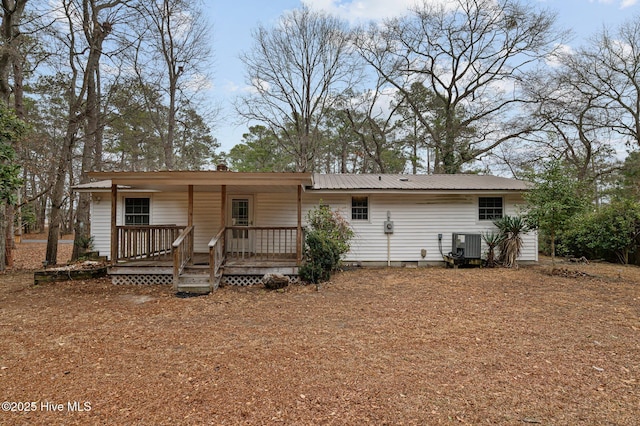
(233, 22)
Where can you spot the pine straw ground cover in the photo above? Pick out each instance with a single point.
(377, 346)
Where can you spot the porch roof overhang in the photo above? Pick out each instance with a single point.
(203, 180)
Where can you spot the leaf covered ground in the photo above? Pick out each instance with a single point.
(378, 346)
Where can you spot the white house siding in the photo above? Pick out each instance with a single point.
(206, 219)
(171, 208)
(338, 202)
(276, 210)
(167, 208)
(418, 219)
(101, 223)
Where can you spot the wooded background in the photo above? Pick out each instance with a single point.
(480, 86)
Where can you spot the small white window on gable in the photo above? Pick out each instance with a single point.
(136, 211)
(359, 208)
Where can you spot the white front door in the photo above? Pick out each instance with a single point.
(241, 214)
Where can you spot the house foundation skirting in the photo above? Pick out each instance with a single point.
(249, 280)
(165, 279)
(142, 279)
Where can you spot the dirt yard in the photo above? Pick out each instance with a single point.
(384, 346)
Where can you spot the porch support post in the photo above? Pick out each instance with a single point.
(223, 216)
(299, 233)
(223, 206)
(114, 229)
(190, 208)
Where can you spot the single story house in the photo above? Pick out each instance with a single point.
(193, 229)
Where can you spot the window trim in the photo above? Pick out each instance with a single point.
(125, 214)
(365, 208)
(492, 209)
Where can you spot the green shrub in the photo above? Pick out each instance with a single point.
(610, 233)
(322, 258)
(556, 197)
(327, 239)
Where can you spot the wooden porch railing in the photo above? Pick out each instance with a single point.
(182, 252)
(261, 243)
(145, 241)
(216, 258)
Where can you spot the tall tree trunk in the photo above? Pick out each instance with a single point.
(12, 11)
(171, 124)
(81, 226)
(553, 248)
(18, 101)
(57, 194)
(95, 33)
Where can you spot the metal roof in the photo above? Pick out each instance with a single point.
(99, 186)
(458, 182)
(203, 177)
(318, 182)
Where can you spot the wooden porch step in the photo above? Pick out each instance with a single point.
(194, 289)
(196, 270)
(187, 278)
(193, 282)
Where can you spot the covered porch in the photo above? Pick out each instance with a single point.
(231, 227)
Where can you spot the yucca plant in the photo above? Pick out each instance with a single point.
(491, 239)
(510, 230)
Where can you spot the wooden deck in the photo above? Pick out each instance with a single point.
(237, 255)
(249, 265)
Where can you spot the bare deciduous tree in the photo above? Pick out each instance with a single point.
(172, 55)
(610, 67)
(574, 125)
(297, 71)
(91, 19)
(470, 55)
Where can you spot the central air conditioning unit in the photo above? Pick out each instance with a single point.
(468, 246)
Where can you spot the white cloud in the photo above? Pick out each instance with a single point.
(363, 10)
(231, 86)
(623, 3)
(557, 59)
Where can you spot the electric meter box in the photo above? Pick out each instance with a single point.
(388, 227)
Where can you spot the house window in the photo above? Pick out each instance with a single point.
(490, 208)
(359, 208)
(136, 211)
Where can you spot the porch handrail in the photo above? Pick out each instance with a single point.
(144, 241)
(216, 258)
(263, 243)
(182, 252)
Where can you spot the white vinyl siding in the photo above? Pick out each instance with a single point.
(206, 219)
(418, 219)
(276, 209)
(100, 214)
(169, 208)
(172, 208)
(166, 209)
